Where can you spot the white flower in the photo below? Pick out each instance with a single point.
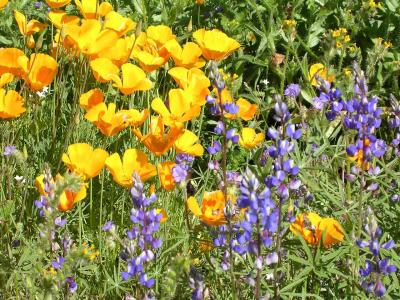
(19, 179)
(43, 92)
(265, 82)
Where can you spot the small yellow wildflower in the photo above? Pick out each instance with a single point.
(347, 72)
(387, 44)
(347, 38)
(289, 23)
(339, 45)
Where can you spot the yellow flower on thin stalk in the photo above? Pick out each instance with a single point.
(215, 44)
(249, 139)
(132, 161)
(11, 104)
(187, 143)
(158, 140)
(314, 229)
(319, 70)
(85, 161)
(180, 107)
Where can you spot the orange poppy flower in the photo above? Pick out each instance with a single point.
(215, 44)
(133, 79)
(59, 18)
(67, 198)
(164, 214)
(106, 119)
(119, 52)
(11, 104)
(157, 141)
(321, 71)
(165, 174)
(146, 52)
(194, 81)
(359, 157)
(120, 24)
(212, 208)
(249, 139)
(3, 3)
(186, 143)
(85, 161)
(39, 71)
(160, 34)
(246, 109)
(5, 79)
(27, 28)
(133, 161)
(187, 57)
(9, 61)
(180, 108)
(110, 122)
(104, 70)
(91, 98)
(89, 37)
(88, 8)
(311, 227)
(57, 3)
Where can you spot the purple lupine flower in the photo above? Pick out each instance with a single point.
(146, 223)
(72, 285)
(9, 150)
(292, 90)
(108, 226)
(215, 148)
(57, 264)
(377, 267)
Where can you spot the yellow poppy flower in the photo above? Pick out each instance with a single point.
(88, 8)
(9, 61)
(119, 52)
(91, 98)
(133, 79)
(160, 34)
(187, 57)
(11, 104)
(57, 3)
(106, 119)
(59, 18)
(165, 174)
(27, 28)
(157, 141)
(321, 71)
(67, 197)
(147, 53)
(212, 208)
(215, 44)
(104, 9)
(311, 227)
(186, 143)
(359, 157)
(180, 108)
(199, 2)
(3, 3)
(120, 24)
(5, 79)
(89, 37)
(133, 161)
(246, 109)
(110, 122)
(39, 70)
(164, 214)
(104, 70)
(85, 161)
(193, 81)
(249, 139)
